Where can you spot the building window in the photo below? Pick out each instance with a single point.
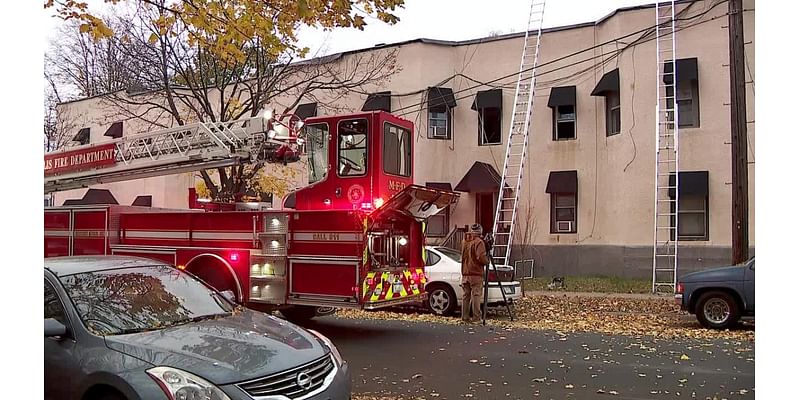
(688, 93)
(613, 117)
(564, 122)
(562, 101)
(608, 87)
(489, 104)
(438, 224)
(692, 205)
(396, 150)
(82, 137)
(352, 147)
(688, 104)
(440, 112)
(439, 122)
(563, 212)
(692, 217)
(563, 189)
(489, 126)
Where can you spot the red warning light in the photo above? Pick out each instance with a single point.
(234, 256)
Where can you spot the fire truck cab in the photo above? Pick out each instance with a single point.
(354, 237)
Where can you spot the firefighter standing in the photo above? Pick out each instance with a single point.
(473, 260)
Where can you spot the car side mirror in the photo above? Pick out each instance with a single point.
(53, 328)
(228, 294)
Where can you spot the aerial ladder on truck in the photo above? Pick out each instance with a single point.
(184, 148)
(502, 234)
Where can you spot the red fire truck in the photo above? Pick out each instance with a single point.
(354, 237)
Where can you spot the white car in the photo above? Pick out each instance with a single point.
(443, 268)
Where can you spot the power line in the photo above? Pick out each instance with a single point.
(512, 75)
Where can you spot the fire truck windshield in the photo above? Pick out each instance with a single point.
(317, 148)
(353, 147)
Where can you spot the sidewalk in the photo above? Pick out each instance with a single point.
(639, 296)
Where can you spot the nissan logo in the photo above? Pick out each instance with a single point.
(303, 380)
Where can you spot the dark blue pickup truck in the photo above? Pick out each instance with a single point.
(719, 297)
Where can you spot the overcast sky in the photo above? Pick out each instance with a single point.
(435, 19)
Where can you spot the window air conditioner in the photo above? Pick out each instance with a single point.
(439, 132)
(564, 226)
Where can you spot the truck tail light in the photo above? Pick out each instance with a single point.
(679, 288)
(492, 276)
(234, 257)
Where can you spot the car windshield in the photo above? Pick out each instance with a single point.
(450, 253)
(130, 300)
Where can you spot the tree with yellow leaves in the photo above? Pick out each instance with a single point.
(220, 60)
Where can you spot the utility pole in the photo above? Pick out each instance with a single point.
(740, 210)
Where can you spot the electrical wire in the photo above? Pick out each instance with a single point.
(515, 74)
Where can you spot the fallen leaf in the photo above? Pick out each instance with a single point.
(569, 386)
(684, 357)
(540, 380)
(613, 392)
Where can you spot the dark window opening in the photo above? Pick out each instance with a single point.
(396, 150)
(489, 126)
(563, 212)
(564, 122)
(613, 115)
(352, 148)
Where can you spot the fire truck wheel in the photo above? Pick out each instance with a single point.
(299, 314)
(441, 299)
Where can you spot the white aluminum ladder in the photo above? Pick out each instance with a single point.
(665, 210)
(184, 148)
(517, 148)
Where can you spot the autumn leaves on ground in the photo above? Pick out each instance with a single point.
(656, 317)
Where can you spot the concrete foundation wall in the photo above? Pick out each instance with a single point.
(616, 261)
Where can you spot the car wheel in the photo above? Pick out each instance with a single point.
(299, 314)
(441, 299)
(717, 310)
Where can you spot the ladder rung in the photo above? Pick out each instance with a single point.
(666, 255)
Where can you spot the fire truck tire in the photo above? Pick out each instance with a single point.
(299, 314)
(441, 299)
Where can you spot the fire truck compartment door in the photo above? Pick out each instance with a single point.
(418, 202)
(334, 279)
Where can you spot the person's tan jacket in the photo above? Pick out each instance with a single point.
(473, 257)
